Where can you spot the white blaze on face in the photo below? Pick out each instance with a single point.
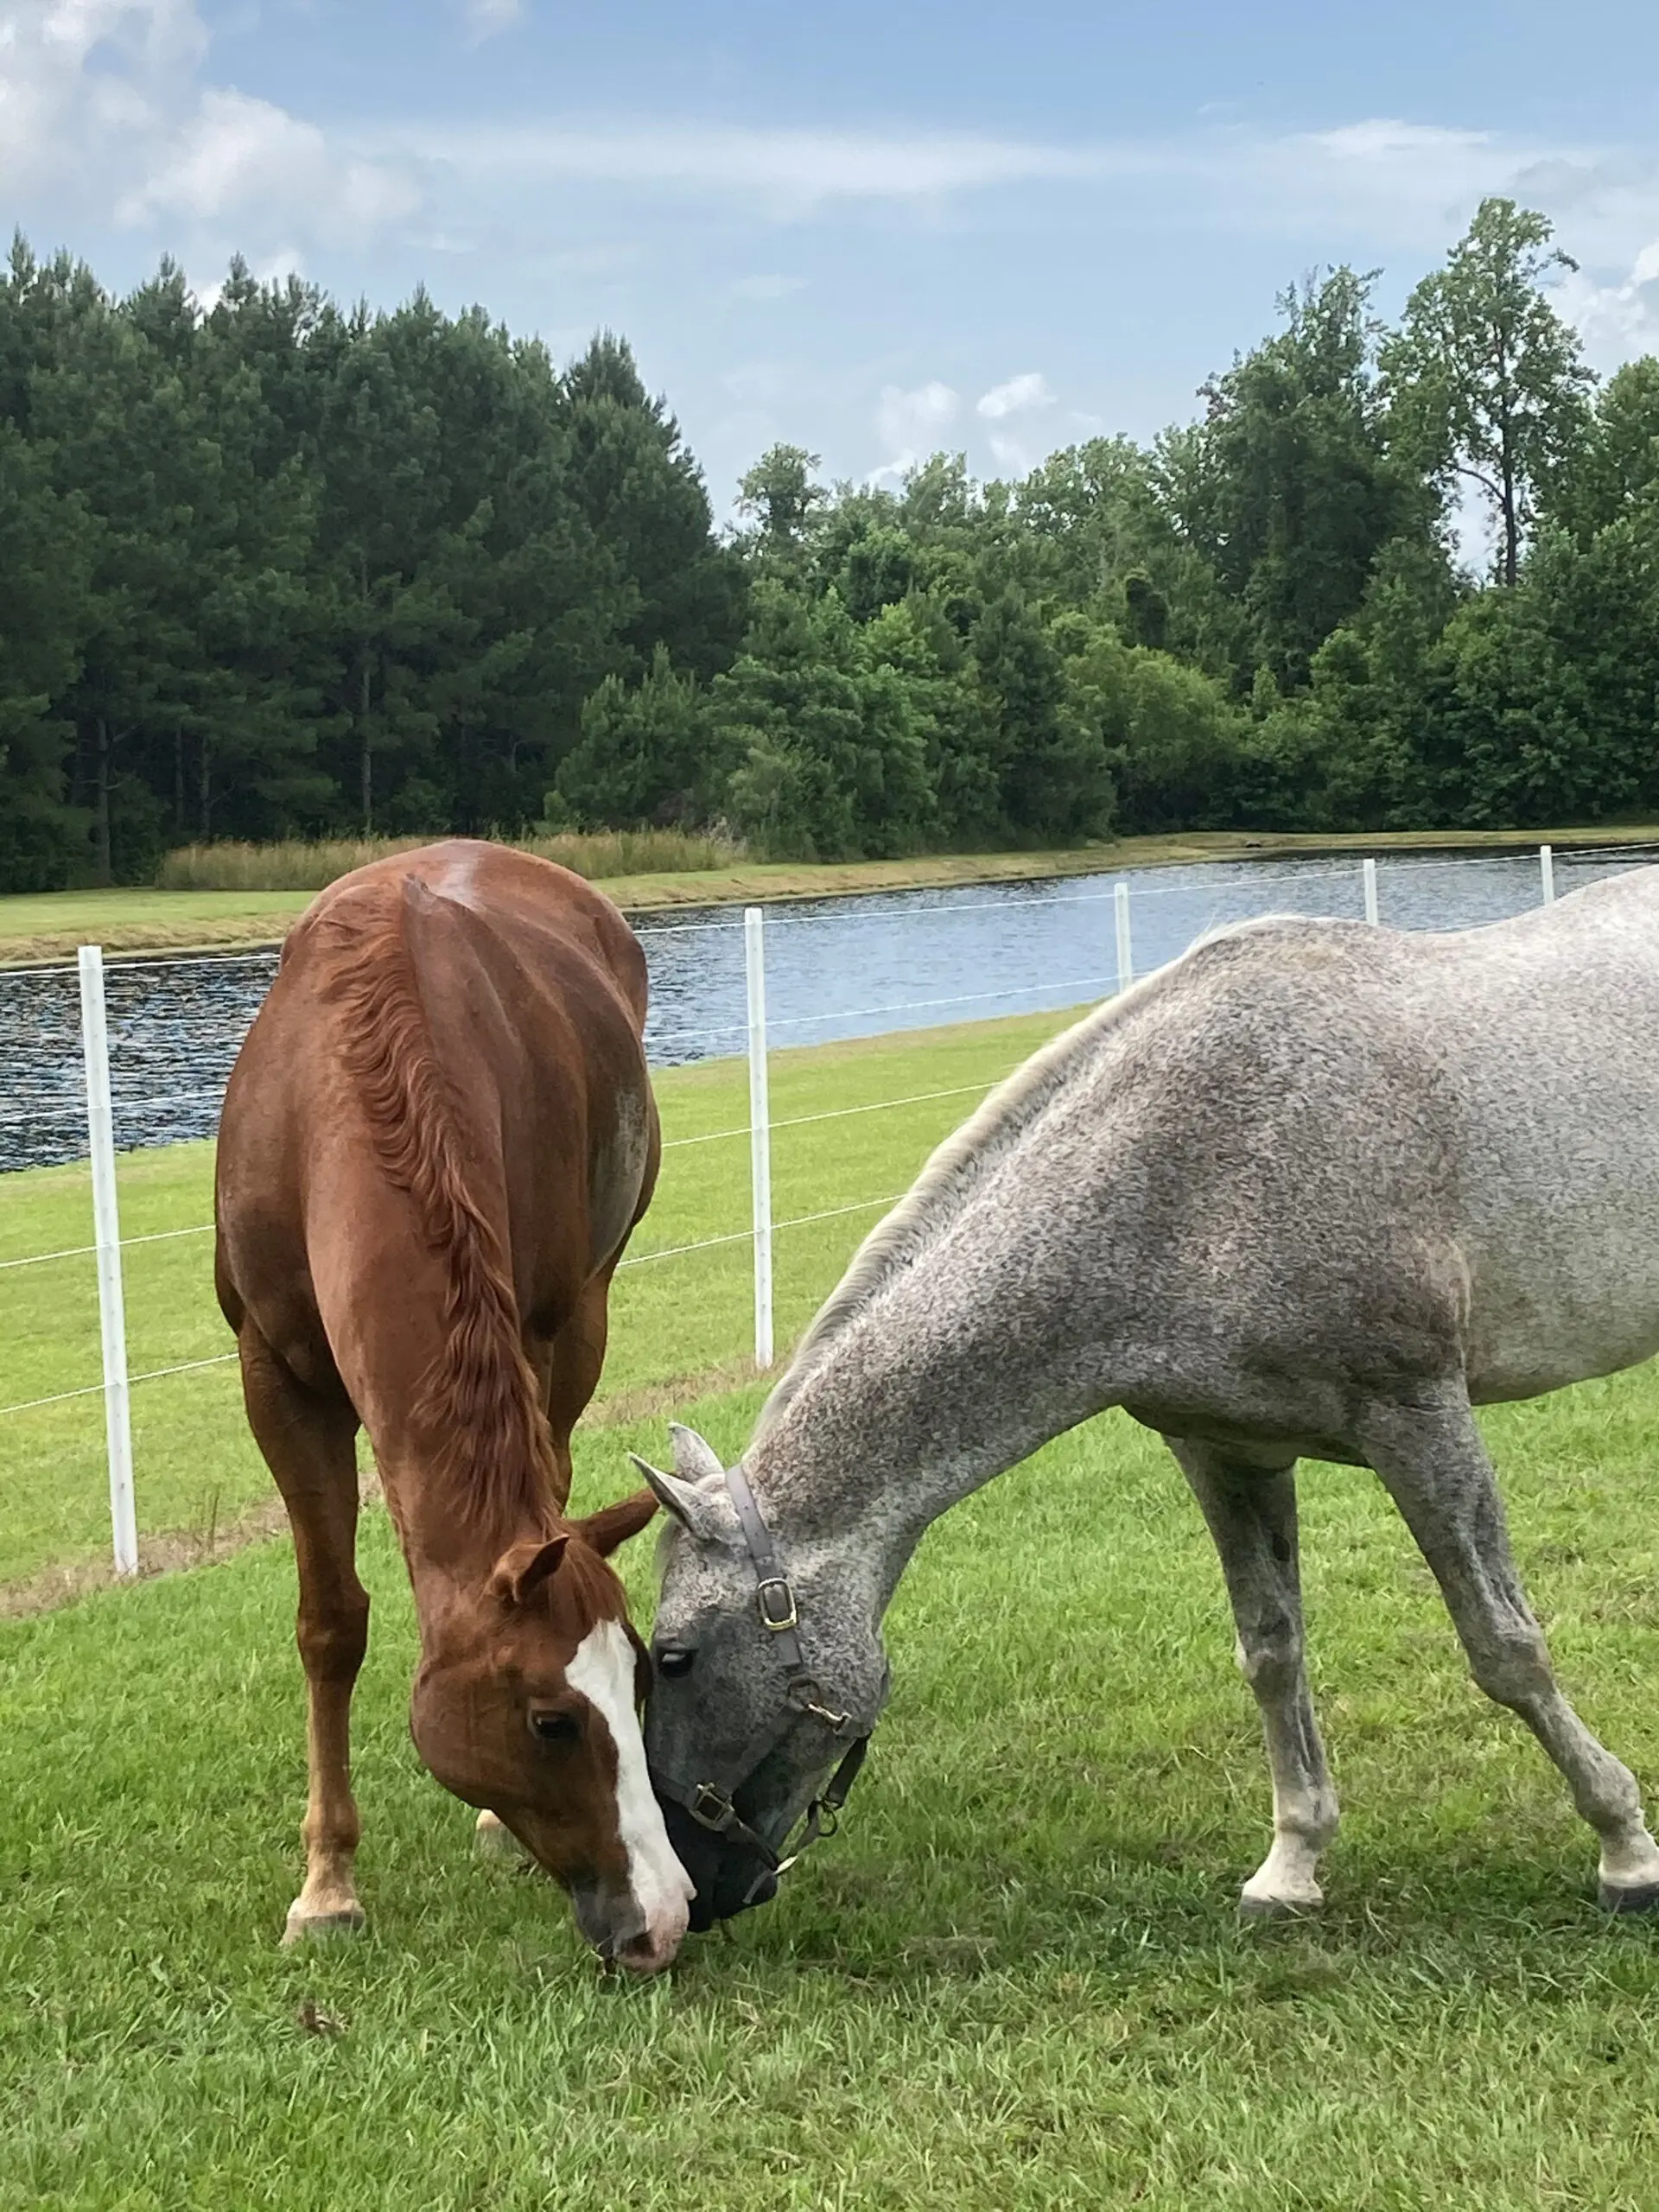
(603, 1672)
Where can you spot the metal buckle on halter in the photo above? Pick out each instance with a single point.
(805, 1702)
(709, 1808)
(786, 1617)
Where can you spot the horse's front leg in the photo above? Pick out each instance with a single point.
(308, 1442)
(1251, 1513)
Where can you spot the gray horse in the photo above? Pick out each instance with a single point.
(1313, 1190)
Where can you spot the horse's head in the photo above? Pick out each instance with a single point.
(527, 1704)
(768, 1678)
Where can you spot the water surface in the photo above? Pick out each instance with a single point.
(836, 968)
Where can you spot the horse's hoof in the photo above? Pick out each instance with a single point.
(303, 1926)
(1637, 1897)
(493, 1839)
(1252, 1905)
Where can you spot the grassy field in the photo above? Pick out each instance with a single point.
(1014, 1980)
(49, 925)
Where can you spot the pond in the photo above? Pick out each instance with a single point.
(836, 968)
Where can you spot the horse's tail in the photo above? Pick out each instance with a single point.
(478, 1393)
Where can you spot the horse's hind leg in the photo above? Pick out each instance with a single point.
(1252, 1516)
(308, 1442)
(1434, 1463)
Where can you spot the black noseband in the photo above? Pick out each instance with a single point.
(714, 1808)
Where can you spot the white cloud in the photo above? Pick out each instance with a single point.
(485, 17)
(237, 154)
(910, 425)
(104, 109)
(56, 115)
(1615, 320)
(800, 167)
(1018, 396)
(1026, 395)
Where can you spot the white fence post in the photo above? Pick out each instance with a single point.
(106, 1232)
(759, 1131)
(1547, 870)
(1370, 868)
(1125, 951)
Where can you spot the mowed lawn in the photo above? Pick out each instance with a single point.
(1015, 1979)
(688, 1315)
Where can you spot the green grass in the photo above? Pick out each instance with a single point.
(1014, 1980)
(195, 1467)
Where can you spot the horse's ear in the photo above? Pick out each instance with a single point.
(521, 1572)
(613, 1524)
(697, 1512)
(695, 1460)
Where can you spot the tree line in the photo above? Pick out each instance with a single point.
(269, 568)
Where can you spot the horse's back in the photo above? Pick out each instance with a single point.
(510, 995)
(1375, 1122)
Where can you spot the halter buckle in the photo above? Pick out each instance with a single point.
(785, 1617)
(709, 1808)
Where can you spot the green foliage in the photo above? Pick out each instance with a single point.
(272, 569)
(826, 749)
(1289, 489)
(1486, 378)
(642, 754)
(275, 571)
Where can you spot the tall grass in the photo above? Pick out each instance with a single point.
(303, 864)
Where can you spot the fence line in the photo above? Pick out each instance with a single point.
(81, 1251)
(742, 1235)
(958, 998)
(101, 1111)
(96, 1390)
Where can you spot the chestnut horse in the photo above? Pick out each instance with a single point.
(436, 1140)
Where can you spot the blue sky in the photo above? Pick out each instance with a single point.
(870, 229)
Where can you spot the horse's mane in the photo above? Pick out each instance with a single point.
(949, 1177)
(479, 1392)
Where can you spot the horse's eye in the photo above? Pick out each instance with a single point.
(672, 1659)
(556, 1727)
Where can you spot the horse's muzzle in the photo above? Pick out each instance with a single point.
(729, 1876)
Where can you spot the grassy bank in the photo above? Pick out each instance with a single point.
(49, 925)
(1014, 1980)
(301, 864)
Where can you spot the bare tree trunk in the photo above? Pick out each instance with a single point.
(205, 797)
(367, 751)
(178, 779)
(1511, 529)
(103, 861)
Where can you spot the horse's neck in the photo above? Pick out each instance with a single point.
(450, 1553)
(915, 1404)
